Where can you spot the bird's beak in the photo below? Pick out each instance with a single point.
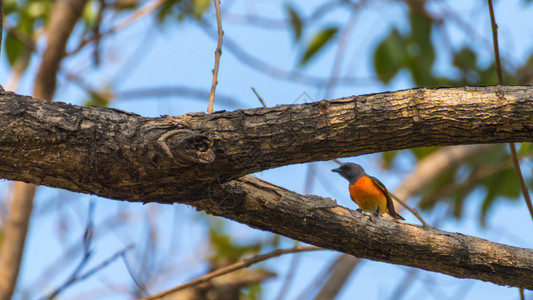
(336, 170)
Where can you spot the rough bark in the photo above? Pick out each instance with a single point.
(124, 156)
(319, 221)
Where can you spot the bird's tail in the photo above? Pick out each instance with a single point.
(397, 216)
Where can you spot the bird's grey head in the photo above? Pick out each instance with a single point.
(350, 171)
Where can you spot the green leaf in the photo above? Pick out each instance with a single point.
(465, 59)
(15, 49)
(199, 7)
(224, 250)
(390, 56)
(387, 159)
(421, 27)
(420, 50)
(422, 152)
(321, 39)
(37, 9)
(525, 148)
(10, 6)
(100, 98)
(171, 8)
(296, 22)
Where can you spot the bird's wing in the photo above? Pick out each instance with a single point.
(390, 205)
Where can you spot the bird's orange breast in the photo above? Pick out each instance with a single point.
(368, 196)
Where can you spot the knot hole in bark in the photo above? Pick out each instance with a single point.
(187, 147)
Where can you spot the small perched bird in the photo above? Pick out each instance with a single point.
(368, 192)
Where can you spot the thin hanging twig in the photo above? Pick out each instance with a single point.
(516, 162)
(412, 210)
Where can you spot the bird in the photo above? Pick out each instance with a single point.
(367, 191)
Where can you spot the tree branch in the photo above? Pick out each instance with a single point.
(124, 156)
(319, 221)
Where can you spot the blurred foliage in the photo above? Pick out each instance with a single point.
(181, 9)
(414, 52)
(225, 250)
(490, 171)
(318, 41)
(296, 22)
(99, 98)
(252, 292)
(322, 38)
(22, 19)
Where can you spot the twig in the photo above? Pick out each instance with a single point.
(412, 210)
(474, 178)
(259, 98)
(523, 185)
(291, 272)
(143, 11)
(309, 178)
(175, 91)
(522, 296)
(337, 63)
(136, 280)
(57, 266)
(404, 284)
(218, 52)
(341, 269)
(96, 32)
(91, 272)
(495, 43)
(278, 73)
(270, 23)
(86, 242)
(512, 146)
(450, 14)
(234, 267)
(319, 280)
(337, 161)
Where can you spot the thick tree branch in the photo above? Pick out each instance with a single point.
(124, 156)
(319, 221)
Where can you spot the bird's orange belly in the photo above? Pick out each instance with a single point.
(368, 196)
